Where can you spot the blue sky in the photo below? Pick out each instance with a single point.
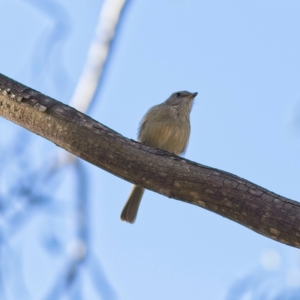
(242, 57)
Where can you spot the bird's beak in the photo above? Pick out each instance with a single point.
(192, 96)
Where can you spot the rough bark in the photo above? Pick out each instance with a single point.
(228, 195)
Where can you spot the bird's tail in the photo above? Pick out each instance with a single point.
(131, 207)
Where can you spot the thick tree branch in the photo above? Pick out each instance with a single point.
(225, 194)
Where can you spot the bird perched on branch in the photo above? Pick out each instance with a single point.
(165, 126)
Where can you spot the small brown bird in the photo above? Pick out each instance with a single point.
(165, 126)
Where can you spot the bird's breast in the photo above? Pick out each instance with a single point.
(166, 135)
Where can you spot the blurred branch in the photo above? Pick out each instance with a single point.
(32, 198)
(30, 191)
(97, 55)
(51, 43)
(225, 194)
(99, 279)
(79, 245)
(79, 253)
(64, 280)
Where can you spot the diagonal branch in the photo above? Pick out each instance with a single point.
(225, 194)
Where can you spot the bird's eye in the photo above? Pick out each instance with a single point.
(178, 94)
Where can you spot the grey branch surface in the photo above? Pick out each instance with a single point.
(228, 195)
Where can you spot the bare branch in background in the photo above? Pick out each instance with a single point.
(79, 250)
(98, 278)
(50, 45)
(97, 55)
(35, 196)
(261, 284)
